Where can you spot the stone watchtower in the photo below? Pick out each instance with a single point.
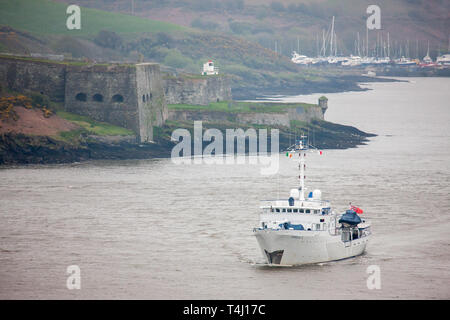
(130, 96)
(323, 104)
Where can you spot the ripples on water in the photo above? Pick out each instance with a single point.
(152, 229)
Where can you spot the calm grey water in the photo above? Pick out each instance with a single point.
(153, 229)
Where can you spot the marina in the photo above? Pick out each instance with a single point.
(379, 56)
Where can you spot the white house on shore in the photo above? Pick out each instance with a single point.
(209, 69)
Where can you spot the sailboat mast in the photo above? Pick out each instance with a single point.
(367, 41)
(331, 39)
(317, 44)
(359, 45)
(389, 51)
(322, 51)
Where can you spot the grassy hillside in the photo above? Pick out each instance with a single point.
(49, 17)
(294, 24)
(244, 52)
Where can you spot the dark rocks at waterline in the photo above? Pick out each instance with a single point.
(332, 85)
(24, 149)
(326, 135)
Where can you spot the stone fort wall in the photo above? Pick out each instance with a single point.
(40, 76)
(200, 90)
(130, 96)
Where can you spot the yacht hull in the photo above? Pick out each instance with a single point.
(296, 247)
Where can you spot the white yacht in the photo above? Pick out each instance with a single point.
(402, 62)
(382, 61)
(301, 59)
(443, 60)
(427, 59)
(304, 230)
(352, 61)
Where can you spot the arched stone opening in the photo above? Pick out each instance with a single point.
(81, 96)
(97, 97)
(117, 98)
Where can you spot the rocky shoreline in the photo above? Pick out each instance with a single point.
(343, 83)
(18, 148)
(27, 149)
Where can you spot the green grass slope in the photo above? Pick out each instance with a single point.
(241, 107)
(48, 17)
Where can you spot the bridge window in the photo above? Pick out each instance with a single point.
(295, 210)
(277, 210)
(117, 98)
(97, 97)
(81, 96)
(301, 210)
(308, 211)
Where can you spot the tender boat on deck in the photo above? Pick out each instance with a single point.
(303, 230)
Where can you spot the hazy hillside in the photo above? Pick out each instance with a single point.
(49, 17)
(289, 24)
(250, 41)
(39, 26)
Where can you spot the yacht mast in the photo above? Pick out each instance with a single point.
(389, 51)
(359, 45)
(367, 42)
(332, 34)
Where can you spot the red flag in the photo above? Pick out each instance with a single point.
(357, 210)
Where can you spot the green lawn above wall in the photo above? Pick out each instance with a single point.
(48, 17)
(94, 127)
(241, 107)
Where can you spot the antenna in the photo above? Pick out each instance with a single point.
(301, 146)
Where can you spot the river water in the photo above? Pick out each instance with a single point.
(153, 229)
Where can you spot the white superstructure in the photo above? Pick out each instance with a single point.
(443, 60)
(301, 59)
(209, 69)
(405, 62)
(302, 230)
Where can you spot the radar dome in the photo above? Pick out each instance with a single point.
(317, 194)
